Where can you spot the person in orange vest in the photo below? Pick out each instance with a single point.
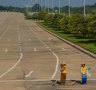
(84, 73)
(63, 73)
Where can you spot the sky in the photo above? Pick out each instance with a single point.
(22, 3)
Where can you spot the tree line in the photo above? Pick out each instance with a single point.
(12, 9)
(77, 24)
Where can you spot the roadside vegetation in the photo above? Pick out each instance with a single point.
(77, 28)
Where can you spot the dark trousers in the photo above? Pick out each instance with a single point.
(63, 78)
(84, 78)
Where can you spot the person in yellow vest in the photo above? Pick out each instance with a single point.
(84, 73)
(63, 73)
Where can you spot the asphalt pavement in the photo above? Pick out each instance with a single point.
(30, 57)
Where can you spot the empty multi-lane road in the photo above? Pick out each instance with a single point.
(29, 55)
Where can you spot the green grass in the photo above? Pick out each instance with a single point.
(88, 44)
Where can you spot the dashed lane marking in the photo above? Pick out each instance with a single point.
(57, 59)
(48, 47)
(35, 49)
(50, 39)
(63, 49)
(6, 50)
(50, 50)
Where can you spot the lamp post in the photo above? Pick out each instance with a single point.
(38, 6)
(59, 6)
(69, 8)
(52, 7)
(28, 5)
(48, 6)
(45, 5)
(84, 8)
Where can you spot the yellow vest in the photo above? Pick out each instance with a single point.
(63, 70)
(83, 70)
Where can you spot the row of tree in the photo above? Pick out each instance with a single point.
(12, 9)
(78, 24)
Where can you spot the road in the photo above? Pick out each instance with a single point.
(30, 57)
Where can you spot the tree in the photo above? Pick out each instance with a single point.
(55, 20)
(36, 8)
(92, 26)
(42, 15)
(63, 22)
(78, 25)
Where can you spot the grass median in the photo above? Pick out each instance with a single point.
(86, 43)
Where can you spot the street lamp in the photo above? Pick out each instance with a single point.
(41, 7)
(52, 7)
(69, 8)
(45, 5)
(59, 6)
(84, 8)
(48, 6)
(38, 6)
(28, 5)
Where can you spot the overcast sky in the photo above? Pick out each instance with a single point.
(21, 3)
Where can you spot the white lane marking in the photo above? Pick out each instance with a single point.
(19, 36)
(57, 66)
(12, 50)
(6, 50)
(5, 30)
(35, 49)
(50, 39)
(63, 49)
(57, 63)
(21, 55)
(43, 43)
(48, 47)
(3, 18)
(50, 50)
(34, 33)
(29, 39)
(28, 75)
(20, 50)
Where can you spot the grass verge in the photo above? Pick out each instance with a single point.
(88, 44)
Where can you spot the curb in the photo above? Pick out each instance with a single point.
(70, 43)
